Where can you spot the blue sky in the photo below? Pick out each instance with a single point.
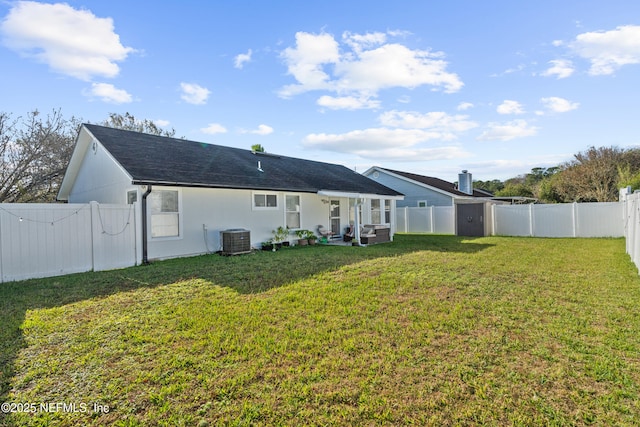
(495, 87)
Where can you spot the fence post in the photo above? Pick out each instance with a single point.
(574, 216)
(406, 220)
(493, 219)
(431, 224)
(531, 219)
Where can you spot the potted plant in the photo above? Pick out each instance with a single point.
(311, 237)
(302, 237)
(280, 236)
(268, 246)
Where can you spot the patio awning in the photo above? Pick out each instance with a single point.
(333, 193)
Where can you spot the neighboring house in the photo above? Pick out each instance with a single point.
(192, 191)
(422, 191)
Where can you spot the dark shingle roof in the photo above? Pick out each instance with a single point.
(151, 159)
(438, 183)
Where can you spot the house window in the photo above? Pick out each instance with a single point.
(265, 201)
(165, 213)
(387, 211)
(292, 207)
(375, 212)
(422, 204)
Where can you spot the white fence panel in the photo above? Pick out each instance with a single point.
(430, 219)
(420, 220)
(631, 219)
(512, 220)
(600, 219)
(553, 220)
(114, 236)
(41, 240)
(559, 220)
(444, 220)
(44, 240)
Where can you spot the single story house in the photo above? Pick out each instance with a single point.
(186, 192)
(423, 191)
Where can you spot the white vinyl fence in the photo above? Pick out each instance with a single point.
(631, 203)
(559, 220)
(41, 240)
(430, 219)
(553, 220)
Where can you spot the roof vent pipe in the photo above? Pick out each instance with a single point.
(260, 166)
(465, 182)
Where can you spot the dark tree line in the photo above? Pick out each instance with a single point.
(594, 175)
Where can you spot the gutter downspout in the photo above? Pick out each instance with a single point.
(145, 259)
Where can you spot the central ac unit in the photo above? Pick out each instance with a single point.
(236, 241)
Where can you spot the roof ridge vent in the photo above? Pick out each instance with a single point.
(262, 153)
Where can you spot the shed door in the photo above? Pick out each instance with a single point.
(470, 219)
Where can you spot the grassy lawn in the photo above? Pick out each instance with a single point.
(428, 330)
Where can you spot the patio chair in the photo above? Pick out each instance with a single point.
(325, 232)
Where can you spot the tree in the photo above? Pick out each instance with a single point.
(627, 177)
(129, 122)
(34, 153)
(515, 190)
(257, 148)
(492, 186)
(593, 175)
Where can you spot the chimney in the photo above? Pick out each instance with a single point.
(465, 182)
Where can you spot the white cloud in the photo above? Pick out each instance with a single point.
(384, 144)
(262, 130)
(194, 94)
(358, 42)
(305, 62)
(415, 154)
(464, 106)
(242, 58)
(558, 105)
(609, 50)
(162, 123)
(109, 93)
(437, 121)
(395, 65)
(507, 131)
(70, 41)
(366, 64)
(347, 102)
(368, 139)
(213, 129)
(561, 68)
(510, 107)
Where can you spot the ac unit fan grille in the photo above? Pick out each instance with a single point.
(235, 242)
